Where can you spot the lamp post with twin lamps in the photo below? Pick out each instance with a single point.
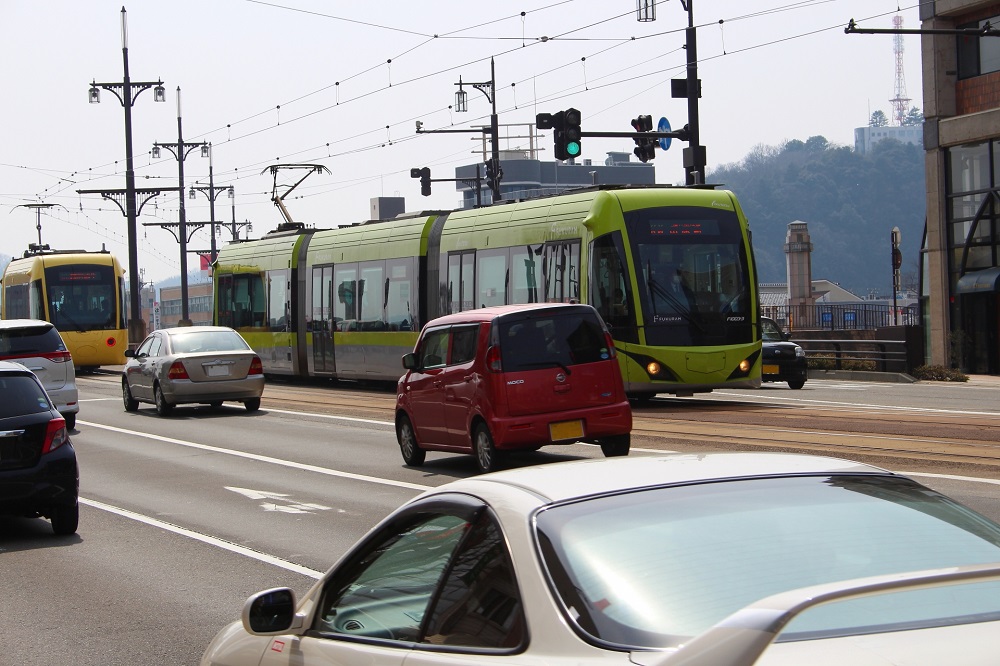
(180, 151)
(211, 192)
(127, 91)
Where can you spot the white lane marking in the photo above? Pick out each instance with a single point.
(204, 538)
(287, 506)
(744, 396)
(953, 477)
(266, 459)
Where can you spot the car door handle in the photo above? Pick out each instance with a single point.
(562, 388)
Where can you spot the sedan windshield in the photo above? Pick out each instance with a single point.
(649, 569)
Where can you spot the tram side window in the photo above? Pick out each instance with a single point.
(525, 274)
(561, 267)
(491, 278)
(372, 298)
(401, 294)
(345, 309)
(278, 305)
(16, 302)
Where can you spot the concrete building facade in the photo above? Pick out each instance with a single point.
(960, 272)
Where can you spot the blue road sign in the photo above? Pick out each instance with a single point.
(664, 126)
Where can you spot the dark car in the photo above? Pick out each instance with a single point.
(38, 471)
(782, 360)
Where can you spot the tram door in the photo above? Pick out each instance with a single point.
(321, 324)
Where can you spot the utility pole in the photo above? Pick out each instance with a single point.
(127, 92)
(211, 192)
(181, 151)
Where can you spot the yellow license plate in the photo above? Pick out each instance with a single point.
(770, 370)
(566, 430)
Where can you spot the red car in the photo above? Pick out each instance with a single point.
(512, 377)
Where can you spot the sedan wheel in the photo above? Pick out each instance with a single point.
(70, 421)
(163, 408)
(797, 384)
(616, 446)
(413, 455)
(65, 519)
(252, 404)
(485, 450)
(131, 404)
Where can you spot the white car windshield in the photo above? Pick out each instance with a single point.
(650, 568)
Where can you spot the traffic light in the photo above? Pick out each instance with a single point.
(645, 148)
(425, 179)
(566, 132)
(568, 141)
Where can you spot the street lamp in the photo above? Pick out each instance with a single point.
(488, 88)
(235, 228)
(127, 92)
(211, 192)
(180, 152)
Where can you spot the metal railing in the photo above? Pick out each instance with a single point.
(874, 355)
(841, 316)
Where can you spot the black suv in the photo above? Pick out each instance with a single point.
(38, 471)
(781, 359)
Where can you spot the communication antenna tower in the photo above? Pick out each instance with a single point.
(900, 103)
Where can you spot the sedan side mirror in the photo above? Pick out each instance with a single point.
(410, 361)
(130, 353)
(271, 612)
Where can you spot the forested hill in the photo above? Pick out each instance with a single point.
(850, 202)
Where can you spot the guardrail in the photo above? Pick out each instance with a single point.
(884, 355)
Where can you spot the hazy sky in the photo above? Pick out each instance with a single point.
(341, 84)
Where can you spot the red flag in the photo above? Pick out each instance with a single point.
(206, 261)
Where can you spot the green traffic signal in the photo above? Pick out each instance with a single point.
(573, 148)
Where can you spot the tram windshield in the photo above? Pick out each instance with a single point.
(693, 276)
(81, 297)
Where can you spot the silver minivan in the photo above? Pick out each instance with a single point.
(37, 345)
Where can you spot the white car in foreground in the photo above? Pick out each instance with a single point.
(713, 559)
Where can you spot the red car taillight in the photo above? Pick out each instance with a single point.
(59, 357)
(177, 371)
(610, 343)
(256, 368)
(493, 359)
(55, 435)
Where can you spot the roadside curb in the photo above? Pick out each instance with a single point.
(863, 376)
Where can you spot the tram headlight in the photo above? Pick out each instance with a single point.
(745, 365)
(653, 368)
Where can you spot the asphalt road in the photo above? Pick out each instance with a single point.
(182, 518)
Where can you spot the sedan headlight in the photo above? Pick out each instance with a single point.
(799, 352)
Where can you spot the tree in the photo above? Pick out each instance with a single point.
(913, 117)
(878, 119)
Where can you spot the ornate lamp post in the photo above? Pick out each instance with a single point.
(211, 192)
(127, 92)
(180, 151)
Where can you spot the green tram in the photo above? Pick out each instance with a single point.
(670, 269)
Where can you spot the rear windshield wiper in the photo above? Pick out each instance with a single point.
(545, 364)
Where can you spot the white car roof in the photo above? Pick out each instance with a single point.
(567, 480)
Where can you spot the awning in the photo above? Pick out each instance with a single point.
(979, 282)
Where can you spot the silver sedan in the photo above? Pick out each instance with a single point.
(192, 364)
